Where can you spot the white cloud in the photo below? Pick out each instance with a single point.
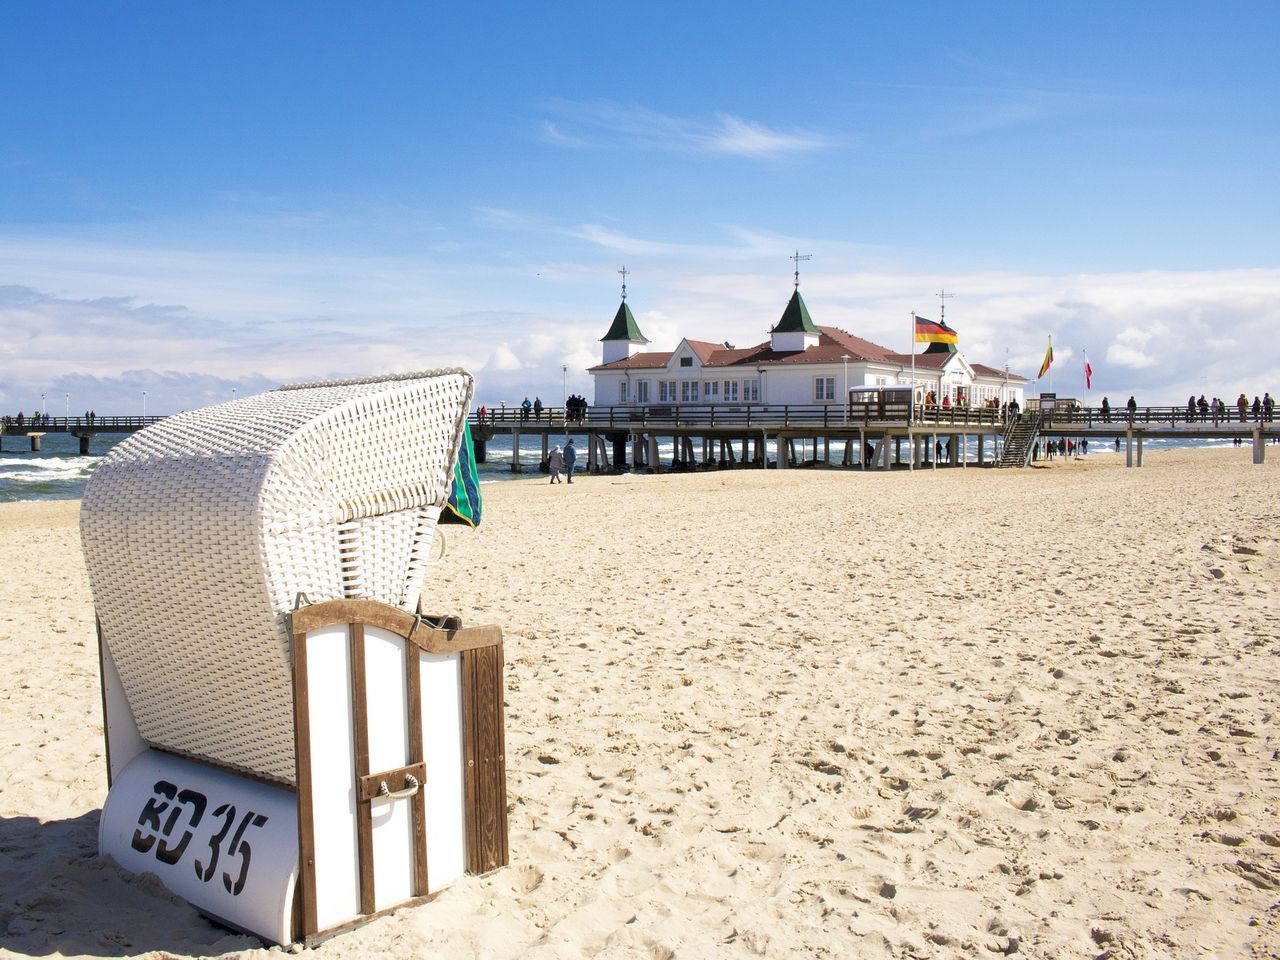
(752, 139)
(189, 325)
(604, 123)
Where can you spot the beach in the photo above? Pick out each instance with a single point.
(814, 713)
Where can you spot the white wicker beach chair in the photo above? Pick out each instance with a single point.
(202, 532)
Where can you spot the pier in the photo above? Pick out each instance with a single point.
(85, 429)
(726, 436)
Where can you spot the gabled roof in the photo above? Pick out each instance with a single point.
(833, 346)
(624, 326)
(984, 370)
(795, 319)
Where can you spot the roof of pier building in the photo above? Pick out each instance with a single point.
(833, 346)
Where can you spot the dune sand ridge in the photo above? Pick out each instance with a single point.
(807, 713)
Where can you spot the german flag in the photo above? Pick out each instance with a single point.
(1048, 361)
(929, 332)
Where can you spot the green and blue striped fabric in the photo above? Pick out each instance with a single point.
(464, 498)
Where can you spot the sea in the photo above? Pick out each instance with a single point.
(59, 472)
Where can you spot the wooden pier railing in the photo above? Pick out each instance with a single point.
(38, 423)
(762, 415)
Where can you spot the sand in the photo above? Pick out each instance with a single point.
(944, 714)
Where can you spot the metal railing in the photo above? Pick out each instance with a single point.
(38, 423)
(1155, 416)
(746, 415)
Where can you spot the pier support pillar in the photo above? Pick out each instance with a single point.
(591, 453)
(784, 452)
(982, 459)
(546, 438)
(826, 451)
(35, 441)
(515, 450)
(1139, 449)
(1128, 448)
(933, 440)
(479, 441)
(86, 438)
(655, 464)
(1259, 446)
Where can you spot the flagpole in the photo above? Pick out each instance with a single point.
(911, 345)
(1051, 365)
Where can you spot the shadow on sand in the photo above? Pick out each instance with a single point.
(58, 897)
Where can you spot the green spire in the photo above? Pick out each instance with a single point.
(795, 318)
(624, 326)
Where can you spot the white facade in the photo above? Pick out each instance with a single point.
(683, 377)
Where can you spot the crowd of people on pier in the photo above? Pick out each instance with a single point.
(24, 422)
(1262, 410)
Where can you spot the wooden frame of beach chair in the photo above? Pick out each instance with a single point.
(404, 748)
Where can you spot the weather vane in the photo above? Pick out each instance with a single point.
(797, 257)
(943, 297)
(624, 271)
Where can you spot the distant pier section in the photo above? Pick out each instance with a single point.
(721, 436)
(35, 427)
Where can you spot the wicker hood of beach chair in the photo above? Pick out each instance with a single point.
(201, 532)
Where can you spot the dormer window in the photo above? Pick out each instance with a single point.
(686, 361)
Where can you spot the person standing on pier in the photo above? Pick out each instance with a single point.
(537, 408)
(1242, 407)
(555, 463)
(570, 458)
(525, 407)
(1106, 410)
(1133, 408)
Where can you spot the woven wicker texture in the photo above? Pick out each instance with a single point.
(200, 532)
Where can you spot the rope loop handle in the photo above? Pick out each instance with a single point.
(387, 793)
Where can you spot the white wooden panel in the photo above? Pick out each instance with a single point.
(442, 746)
(333, 787)
(393, 853)
(123, 740)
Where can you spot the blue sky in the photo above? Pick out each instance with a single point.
(201, 197)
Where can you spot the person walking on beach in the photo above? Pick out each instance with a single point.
(570, 458)
(555, 463)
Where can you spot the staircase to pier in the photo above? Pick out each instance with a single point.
(1019, 439)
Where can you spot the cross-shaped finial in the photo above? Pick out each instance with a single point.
(624, 271)
(943, 297)
(797, 257)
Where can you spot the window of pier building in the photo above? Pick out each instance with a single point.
(731, 391)
(711, 391)
(751, 390)
(689, 391)
(667, 391)
(686, 361)
(622, 391)
(824, 389)
(642, 391)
